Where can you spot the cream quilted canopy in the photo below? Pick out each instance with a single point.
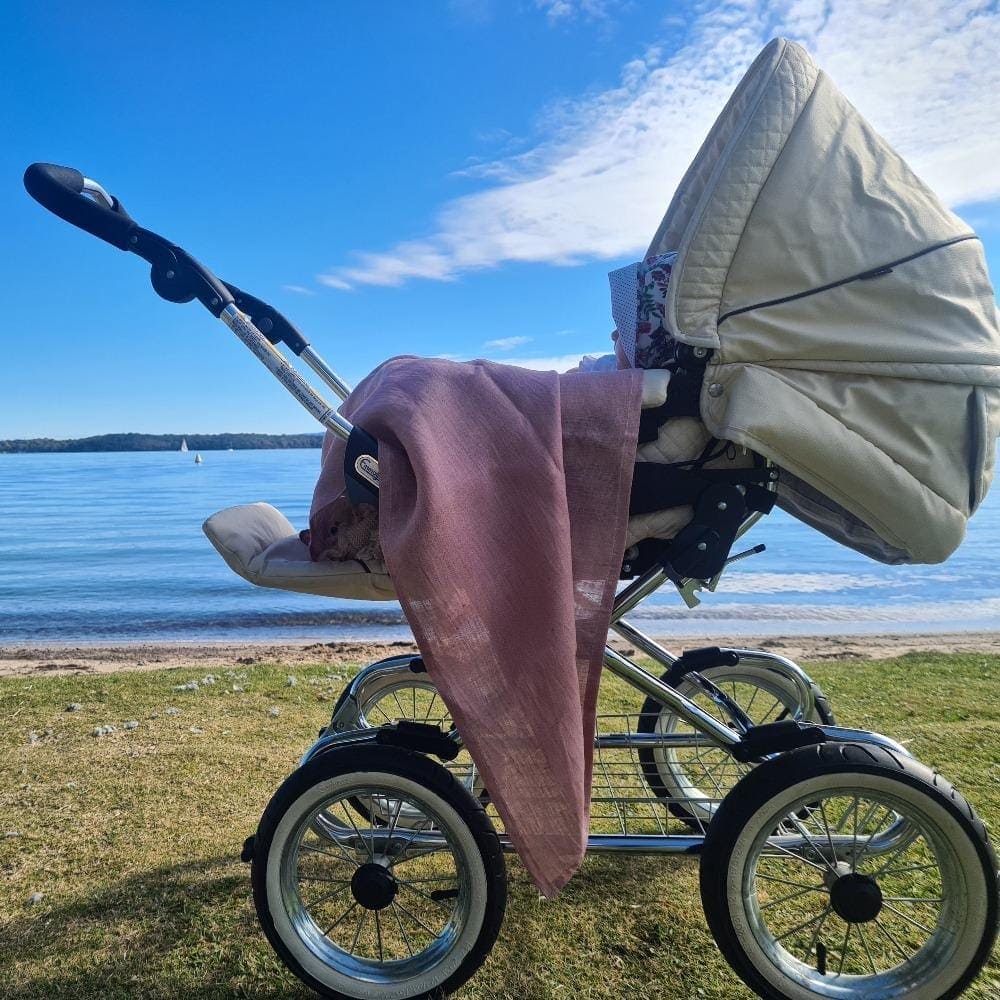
(852, 321)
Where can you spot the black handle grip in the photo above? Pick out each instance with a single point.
(60, 190)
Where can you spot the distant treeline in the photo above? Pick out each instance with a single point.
(164, 442)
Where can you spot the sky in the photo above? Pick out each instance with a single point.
(438, 178)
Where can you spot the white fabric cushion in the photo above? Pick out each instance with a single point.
(655, 382)
(679, 439)
(260, 544)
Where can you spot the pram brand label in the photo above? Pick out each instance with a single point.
(367, 468)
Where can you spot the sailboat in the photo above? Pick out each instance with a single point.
(184, 444)
(198, 459)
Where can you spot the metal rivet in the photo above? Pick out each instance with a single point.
(702, 546)
(133, 240)
(715, 389)
(742, 490)
(215, 302)
(774, 475)
(170, 274)
(700, 352)
(723, 505)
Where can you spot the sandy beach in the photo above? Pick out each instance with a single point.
(22, 660)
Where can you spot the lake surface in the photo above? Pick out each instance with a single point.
(108, 547)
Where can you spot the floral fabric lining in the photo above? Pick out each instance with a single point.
(638, 300)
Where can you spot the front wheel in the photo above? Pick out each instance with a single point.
(375, 909)
(849, 872)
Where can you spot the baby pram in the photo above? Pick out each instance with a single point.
(833, 864)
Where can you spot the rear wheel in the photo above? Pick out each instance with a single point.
(849, 872)
(370, 910)
(693, 781)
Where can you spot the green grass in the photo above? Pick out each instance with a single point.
(133, 838)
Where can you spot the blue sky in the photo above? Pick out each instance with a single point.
(442, 178)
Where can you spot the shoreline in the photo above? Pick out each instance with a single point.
(26, 659)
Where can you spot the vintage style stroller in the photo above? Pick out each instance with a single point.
(833, 864)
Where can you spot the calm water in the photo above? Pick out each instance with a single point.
(103, 547)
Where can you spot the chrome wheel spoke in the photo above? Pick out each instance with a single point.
(843, 948)
(340, 919)
(868, 952)
(787, 899)
(415, 919)
(909, 920)
(890, 938)
(402, 930)
(805, 924)
(357, 932)
(785, 881)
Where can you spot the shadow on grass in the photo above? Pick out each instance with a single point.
(185, 930)
(189, 930)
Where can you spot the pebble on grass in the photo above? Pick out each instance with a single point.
(172, 711)
(292, 681)
(189, 686)
(131, 724)
(197, 732)
(35, 898)
(104, 730)
(74, 706)
(274, 711)
(11, 834)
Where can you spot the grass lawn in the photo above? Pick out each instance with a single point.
(133, 838)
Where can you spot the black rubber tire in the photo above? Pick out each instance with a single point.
(650, 714)
(342, 760)
(771, 778)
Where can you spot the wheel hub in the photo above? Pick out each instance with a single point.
(373, 887)
(856, 898)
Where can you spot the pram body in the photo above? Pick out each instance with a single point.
(842, 817)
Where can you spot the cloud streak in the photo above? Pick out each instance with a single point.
(506, 343)
(925, 73)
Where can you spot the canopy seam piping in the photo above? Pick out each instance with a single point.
(871, 272)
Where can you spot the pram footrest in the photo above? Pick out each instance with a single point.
(260, 544)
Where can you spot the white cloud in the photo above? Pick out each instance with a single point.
(565, 10)
(926, 73)
(558, 363)
(332, 281)
(298, 289)
(506, 343)
(548, 363)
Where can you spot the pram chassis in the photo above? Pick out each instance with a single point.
(795, 769)
(367, 685)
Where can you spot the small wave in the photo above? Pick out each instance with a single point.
(805, 583)
(927, 612)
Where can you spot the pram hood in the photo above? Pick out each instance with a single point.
(851, 318)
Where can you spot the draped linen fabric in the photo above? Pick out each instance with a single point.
(502, 513)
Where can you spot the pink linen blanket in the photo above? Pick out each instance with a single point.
(502, 518)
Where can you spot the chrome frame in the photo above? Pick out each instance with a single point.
(367, 684)
(711, 732)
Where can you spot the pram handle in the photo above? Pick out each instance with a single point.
(79, 201)
(177, 277)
